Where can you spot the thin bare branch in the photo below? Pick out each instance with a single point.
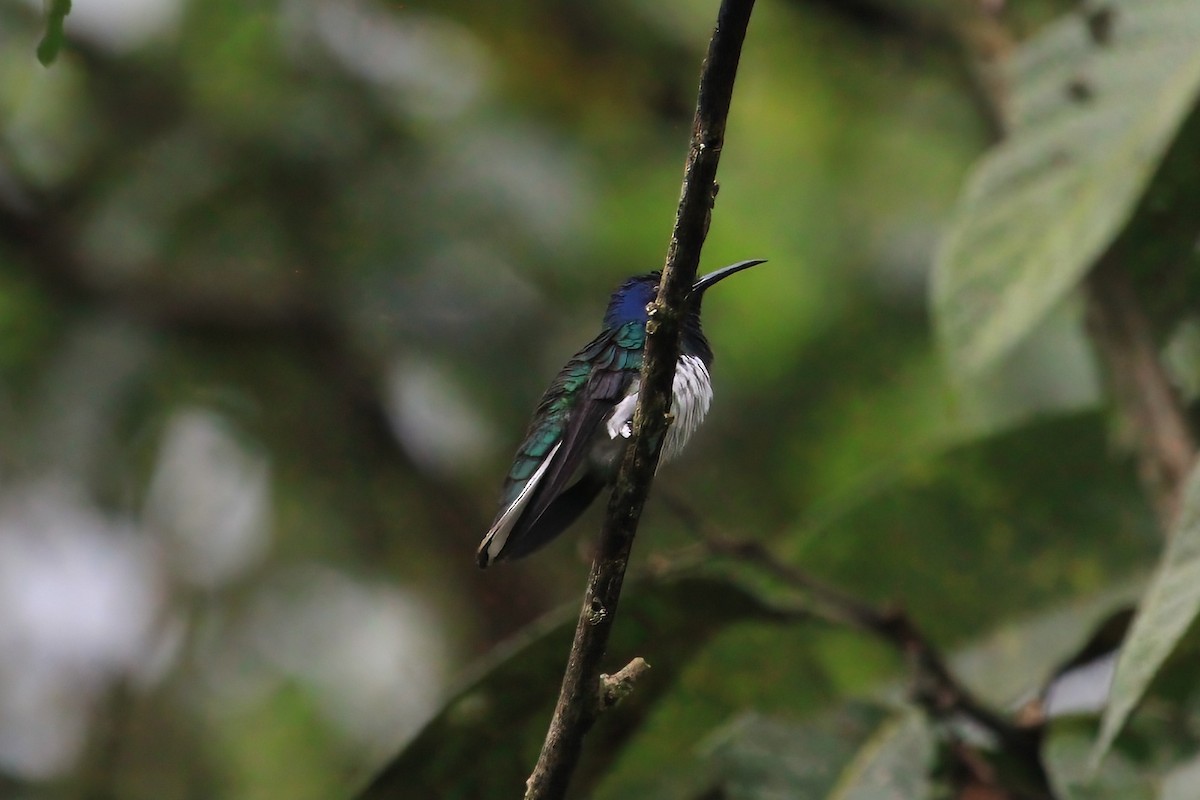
(577, 704)
(934, 687)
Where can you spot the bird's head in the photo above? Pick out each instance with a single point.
(630, 301)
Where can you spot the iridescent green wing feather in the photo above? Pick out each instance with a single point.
(586, 389)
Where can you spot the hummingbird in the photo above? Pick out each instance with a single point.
(583, 422)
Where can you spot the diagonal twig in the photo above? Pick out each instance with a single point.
(935, 687)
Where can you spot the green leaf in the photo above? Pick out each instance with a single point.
(1065, 756)
(894, 763)
(994, 524)
(486, 739)
(1096, 103)
(756, 757)
(1032, 529)
(52, 40)
(1181, 782)
(1164, 614)
(1032, 653)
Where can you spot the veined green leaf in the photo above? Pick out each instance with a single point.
(1167, 609)
(1095, 106)
(893, 765)
(1065, 755)
(756, 757)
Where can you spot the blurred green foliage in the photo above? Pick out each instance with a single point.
(280, 283)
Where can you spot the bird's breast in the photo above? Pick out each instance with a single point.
(691, 397)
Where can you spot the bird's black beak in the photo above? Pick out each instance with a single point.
(719, 275)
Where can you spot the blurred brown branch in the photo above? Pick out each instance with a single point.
(970, 27)
(935, 688)
(577, 704)
(1141, 389)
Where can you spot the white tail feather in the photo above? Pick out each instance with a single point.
(496, 538)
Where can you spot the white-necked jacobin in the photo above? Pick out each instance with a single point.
(584, 420)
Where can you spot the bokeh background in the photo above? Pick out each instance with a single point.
(281, 281)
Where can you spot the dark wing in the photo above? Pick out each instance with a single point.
(557, 444)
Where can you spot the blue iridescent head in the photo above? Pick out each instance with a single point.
(629, 301)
